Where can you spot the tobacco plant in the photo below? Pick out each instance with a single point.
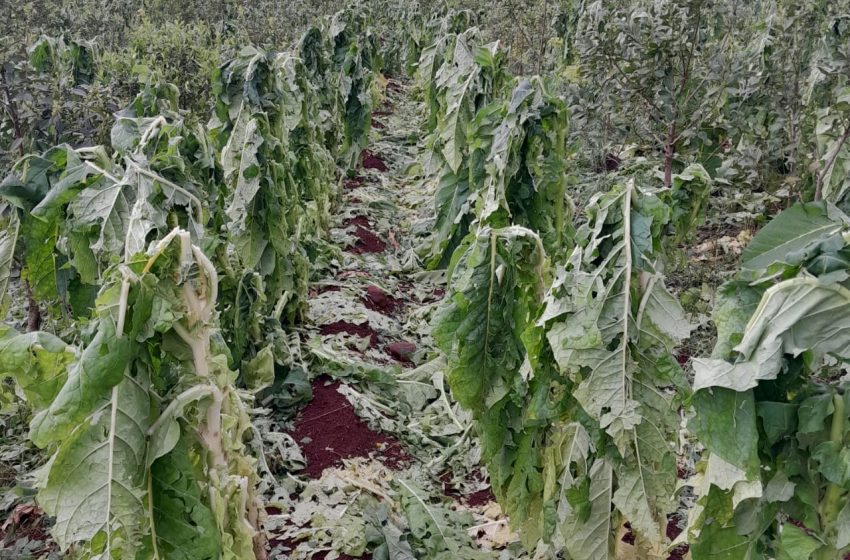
(145, 427)
(468, 79)
(356, 58)
(79, 213)
(276, 190)
(512, 169)
(575, 392)
(771, 403)
(518, 167)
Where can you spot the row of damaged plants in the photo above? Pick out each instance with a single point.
(172, 263)
(559, 334)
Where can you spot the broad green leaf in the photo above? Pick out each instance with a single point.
(592, 537)
(30, 180)
(725, 423)
(735, 303)
(793, 236)
(259, 372)
(40, 262)
(779, 420)
(718, 537)
(796, 544)
(797, 315)
(813, 413)
(240, 164)
(476, 327)
(88, 386)
(779, 489)
(842, 538)
(461, 82)
(96, 484)
(38, 363)
(8, 241)
(833, 462)
(104, 211)
(185, 526)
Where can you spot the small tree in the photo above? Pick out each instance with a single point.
(653, 73)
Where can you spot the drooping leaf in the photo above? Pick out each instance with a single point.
(101, 367)
(793, 236)
(37, 361)
(186, 526)
(8, 241)
(96, 484)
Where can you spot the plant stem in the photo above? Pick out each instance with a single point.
(833, 499)
(13, 112)
(151, 519)
(627, 286)
(669, 151)
(33, 312)
(830, 163)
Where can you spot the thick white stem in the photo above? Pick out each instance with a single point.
(152, 128)
(211, 433)
(151, 517)
(212, 283)
(113, 413)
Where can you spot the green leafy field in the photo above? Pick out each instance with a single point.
(568, 280)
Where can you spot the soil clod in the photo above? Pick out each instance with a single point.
(353, 183)
(371, 161)
(401, 351)
(367, 240)
(378, 300)
(363, 330)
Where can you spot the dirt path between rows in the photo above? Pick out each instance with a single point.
(377, 411)
(360, 304)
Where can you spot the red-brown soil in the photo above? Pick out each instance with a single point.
(335, 433)
(629, 537)
(371, 161)
(367, 241)
(26, 522)
(362, 330)
(353, 183)
(401, 351)
(323, 555)
(679, 552)
(480, 498)
(323, 290)
(378, 300)
(673, 531)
